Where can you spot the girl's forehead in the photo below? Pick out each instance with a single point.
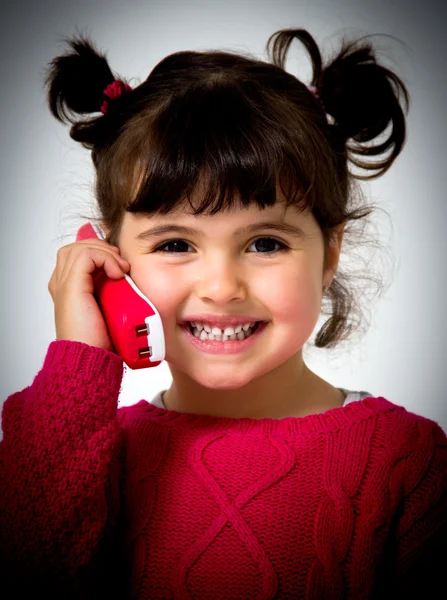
(239, 222)
(236, 214)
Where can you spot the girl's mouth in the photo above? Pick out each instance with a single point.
(229, 346)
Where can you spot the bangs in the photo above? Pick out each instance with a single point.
(217, 142)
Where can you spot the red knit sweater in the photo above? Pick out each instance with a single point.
(142, 502)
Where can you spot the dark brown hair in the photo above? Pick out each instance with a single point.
(238, 127)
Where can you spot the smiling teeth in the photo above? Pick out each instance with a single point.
(205, 332)
(228, 330)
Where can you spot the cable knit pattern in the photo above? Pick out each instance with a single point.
(350, 503)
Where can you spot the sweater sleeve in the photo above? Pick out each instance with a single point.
(421, 557)
(60, 467)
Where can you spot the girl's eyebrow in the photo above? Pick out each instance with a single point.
(160, 230)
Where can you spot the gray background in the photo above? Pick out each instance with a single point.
(47, 178)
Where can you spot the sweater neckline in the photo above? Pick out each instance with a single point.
(330, 420)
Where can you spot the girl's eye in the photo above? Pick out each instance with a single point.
(270, 242)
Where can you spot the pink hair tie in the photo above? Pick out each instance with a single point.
(314, 91)
(114, 90)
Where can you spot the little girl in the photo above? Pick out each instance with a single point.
(223, 185)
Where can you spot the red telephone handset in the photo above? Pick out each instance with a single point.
(133, 322)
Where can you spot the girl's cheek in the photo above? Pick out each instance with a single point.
(162, 288)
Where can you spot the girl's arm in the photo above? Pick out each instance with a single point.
(421, 556)
(60, 470)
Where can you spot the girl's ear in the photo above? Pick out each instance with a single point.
(104, 228)
(333, 255)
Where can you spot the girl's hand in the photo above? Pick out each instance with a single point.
(76, 311)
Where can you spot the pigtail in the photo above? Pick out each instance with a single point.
(75, 83)
(361, 96)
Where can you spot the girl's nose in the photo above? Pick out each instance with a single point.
(221, 283)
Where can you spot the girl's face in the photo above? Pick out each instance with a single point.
(273, 275)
